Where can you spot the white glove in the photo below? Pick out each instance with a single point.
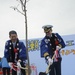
(18, 68)
(58, 47)
(19, 60)
(18, 64)
(10, 64)
(50, 61)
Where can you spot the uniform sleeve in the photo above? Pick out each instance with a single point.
(6, 54)
(22, 53)
(61, 41)
(43, 49)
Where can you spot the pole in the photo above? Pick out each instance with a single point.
(26, 30)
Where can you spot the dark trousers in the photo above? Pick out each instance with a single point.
(55, 68)
(22, 70)
(6, 71)
(14, 72)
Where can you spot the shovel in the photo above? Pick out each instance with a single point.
(48, 68)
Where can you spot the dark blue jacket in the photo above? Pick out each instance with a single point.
(21, 53)
(0, 64)
(45, 46)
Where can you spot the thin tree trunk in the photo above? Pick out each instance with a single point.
(26, 29)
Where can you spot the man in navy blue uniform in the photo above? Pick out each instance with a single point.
(51, 44)
(15, 51)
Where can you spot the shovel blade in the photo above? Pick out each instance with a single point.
(42, 73)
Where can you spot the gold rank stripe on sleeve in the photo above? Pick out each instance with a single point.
(46, 54)
(60, 45)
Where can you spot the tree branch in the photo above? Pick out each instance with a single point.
(17, 10)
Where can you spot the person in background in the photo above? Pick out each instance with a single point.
(51, 44)
(0, 63)
(5, 66)
(15, 51)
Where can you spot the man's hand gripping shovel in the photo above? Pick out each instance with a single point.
(48, 68)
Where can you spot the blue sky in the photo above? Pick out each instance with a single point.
(59, 13)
